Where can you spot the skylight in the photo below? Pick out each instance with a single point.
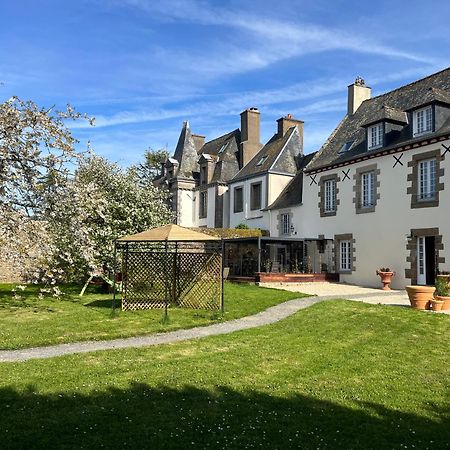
(261, 161)
(346, 147)
(222, 149)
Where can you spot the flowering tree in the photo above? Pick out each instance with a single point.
(102, 203)
(57, 225)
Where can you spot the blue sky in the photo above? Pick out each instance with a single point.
(141, 67)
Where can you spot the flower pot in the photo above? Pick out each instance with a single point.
(420, 296)
(436, 304)
(446, 302)
(386, 279)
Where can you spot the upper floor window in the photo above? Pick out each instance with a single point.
(204, 174)
(368, 189)
(203, 207)
(427, 179)
(330, 196)
(375, 136)
(285, 223)
(423, 121)
(238, 200)
(255, 196)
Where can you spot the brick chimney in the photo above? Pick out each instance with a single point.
(199, 141)
(284, 123)
(250, 134)
(357, 93)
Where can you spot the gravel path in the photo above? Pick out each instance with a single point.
(323, 291)
(270, 315)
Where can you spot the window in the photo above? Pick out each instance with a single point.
(261, 161)
(427, 180)
(285, 224)
(346, 147)
(345, 252)
(203, 208)
(375, 136)
(203, 175)
(238, 200)
(423, 121)
(330, 196)
(255, 196)
(368, 189)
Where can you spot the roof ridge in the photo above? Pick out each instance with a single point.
(409, 84)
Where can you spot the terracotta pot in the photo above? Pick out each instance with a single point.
(436, 305)
(446, 302)
(386, 279)
(420, 296)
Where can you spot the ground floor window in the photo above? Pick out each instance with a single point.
(345, 252)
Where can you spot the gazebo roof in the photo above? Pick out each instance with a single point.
(171, 233)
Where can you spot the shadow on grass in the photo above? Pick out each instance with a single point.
(106, 303)
(145, 417)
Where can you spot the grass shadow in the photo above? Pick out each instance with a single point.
(142, 416)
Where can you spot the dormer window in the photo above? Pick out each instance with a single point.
(423, 121)
(375, 136)
(203, 174)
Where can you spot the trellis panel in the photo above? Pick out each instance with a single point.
(154, 275)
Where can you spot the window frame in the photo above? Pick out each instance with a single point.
(368, 192)
(321, 205)
(235, 190)
(330, 187)
(345, 257)
(253, 205)
(285, 222)
(426, 183)
(414, 177)
(375, 140)
(203, 205)
(427, 120)
(203, 174)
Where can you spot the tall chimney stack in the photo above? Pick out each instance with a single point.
(250, 134)
(357, 93)
(286, 122)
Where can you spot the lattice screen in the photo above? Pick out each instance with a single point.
(186, 278)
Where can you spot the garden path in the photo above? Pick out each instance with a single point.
(325, 291)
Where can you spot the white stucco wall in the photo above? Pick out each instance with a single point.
(252, 218)
(185, 208)
(380, 236)
(276, 184)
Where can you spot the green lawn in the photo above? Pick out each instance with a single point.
(338, 375)
(32, 322)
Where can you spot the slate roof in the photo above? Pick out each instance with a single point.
(292, 194)
(186, 153)
(270, 152)
(389, 114)
(435, 87)
(223, 150)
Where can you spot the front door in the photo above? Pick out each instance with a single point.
(426, 261)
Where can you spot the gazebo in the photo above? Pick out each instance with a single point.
(171, 266)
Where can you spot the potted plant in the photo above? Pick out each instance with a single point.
(442, 295)
(420, 296)
(444, 275)
(386, 275)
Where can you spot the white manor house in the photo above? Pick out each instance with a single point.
(376, 194)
